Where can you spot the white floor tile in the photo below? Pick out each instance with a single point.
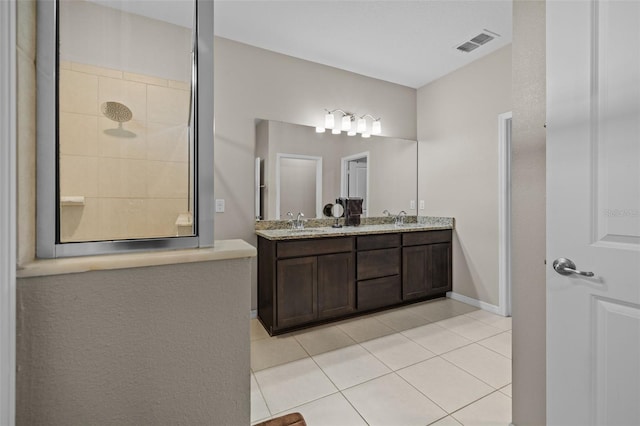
(435, 338)
(503, 323)
(494, 410)
(257, 330)
(397, 351)
(500, 343)
(296, 383)
(390, 401)
(445, 384)
(507, 390)
(266, 353)
(401, 319)
(488, 366)
(469, 328)
(259, 410)
(350, 366)
(447, 421)
(332, 410)
(363, 329)
(323, 339)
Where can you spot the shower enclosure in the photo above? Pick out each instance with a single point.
(125, 123)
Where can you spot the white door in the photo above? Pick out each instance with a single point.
(593, 212)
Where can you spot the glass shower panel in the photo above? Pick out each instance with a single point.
(125, 127)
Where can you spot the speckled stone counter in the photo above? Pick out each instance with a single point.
(280, 230)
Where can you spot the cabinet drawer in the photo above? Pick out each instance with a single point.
(426, 237)
(372, 242)
(314, 247)
(378, 263)
(379, 292)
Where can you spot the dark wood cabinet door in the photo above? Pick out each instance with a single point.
(336, 285)
(296, 288)
(415, 272)
(439, 276)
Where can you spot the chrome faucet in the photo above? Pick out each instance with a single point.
(400, 218)
(299, 223)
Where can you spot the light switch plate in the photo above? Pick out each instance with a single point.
(412, 204)
(421, 204)
(220, 205)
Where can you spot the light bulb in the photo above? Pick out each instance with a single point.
(362, 125)
(366, 135)
(351, 132)
(329, 122)
(335, 131)
(320, 129)
(346, 122)
(376, 128)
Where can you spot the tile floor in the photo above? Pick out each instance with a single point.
(440, 362)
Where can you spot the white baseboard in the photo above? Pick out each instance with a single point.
(254, 314)
(475, 302)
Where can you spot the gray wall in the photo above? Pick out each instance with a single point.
(528, 214)
(160, 345)
(458, 164)
(252, 83)
(163, 345)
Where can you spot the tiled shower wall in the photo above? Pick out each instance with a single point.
(133, 187)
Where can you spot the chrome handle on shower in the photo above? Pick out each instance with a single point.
(565, 266)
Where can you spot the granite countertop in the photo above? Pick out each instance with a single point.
(431, 224)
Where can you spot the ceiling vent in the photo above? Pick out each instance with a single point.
(483, 38)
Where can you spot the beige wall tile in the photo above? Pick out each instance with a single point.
(128, 142)
(162, 215)
(78, 176)
(78, 134)
(122, 218)
(80, 223)
(168, 180)
(64, 65)
(94, 70)
(129, 93)
(122, 178)
(182, 85)
(147, 79)
(168, 142)
(78, 92)
(170, 106)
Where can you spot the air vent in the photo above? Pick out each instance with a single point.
(467, 47)
(484, 37)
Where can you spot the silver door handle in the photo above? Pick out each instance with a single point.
(567, 267)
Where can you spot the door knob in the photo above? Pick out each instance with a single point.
(567, 267)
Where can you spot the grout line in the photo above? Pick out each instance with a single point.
(261, 395)
(471, 403)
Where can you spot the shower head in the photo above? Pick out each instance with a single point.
(116, 111)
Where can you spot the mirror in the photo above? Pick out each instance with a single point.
(125, 130)
(299, 170)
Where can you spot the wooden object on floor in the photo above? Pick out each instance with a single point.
(293, 419)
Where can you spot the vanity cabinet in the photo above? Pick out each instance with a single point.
(311, 281)
(426, 264)
(303, 282)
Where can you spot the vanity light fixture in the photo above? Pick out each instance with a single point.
(349, 124)
(376, 125)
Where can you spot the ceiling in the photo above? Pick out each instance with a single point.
(405, 42)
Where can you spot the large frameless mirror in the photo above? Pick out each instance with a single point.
(123, 118)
